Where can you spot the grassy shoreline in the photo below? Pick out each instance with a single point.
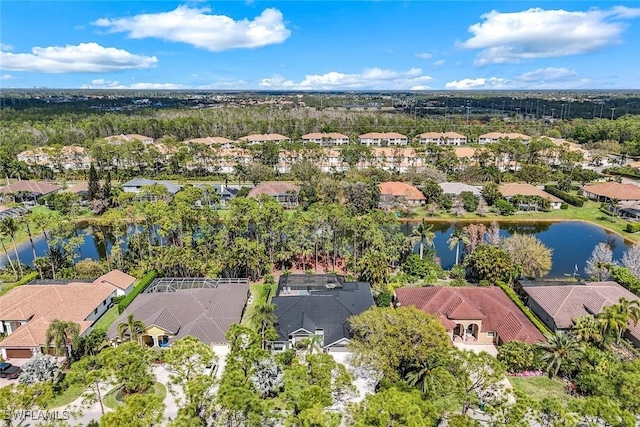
(590, 214)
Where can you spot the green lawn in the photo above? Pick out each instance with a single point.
(65, 398)
(540, 387)
(589, 212)
(107, 319)
(111, 402)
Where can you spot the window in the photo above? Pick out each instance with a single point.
(490, 334)
(95, 311)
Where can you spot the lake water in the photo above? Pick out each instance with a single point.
(572, 243)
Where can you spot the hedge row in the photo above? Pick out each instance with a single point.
(527, 312)
(139, 288)
(623, 172)
(569, 198)
(26, 279)
(633, 227)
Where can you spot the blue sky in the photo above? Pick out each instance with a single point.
(313, 45)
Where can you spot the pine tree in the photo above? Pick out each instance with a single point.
(106, 188)
(94, 185)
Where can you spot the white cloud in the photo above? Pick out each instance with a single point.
(6, 77)
(543, 78)
(539, 33)
(370, 78)
(439, 62)
(83, 58)
(479, 83)
(4, 46)
(548, 74)
(114, 84)
(424, 55)
(199, 28)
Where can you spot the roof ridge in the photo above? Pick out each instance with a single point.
(564, 301)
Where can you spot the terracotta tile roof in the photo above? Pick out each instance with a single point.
(614, 190)
(400, 189)
(441, 135)
(34, 334)
(40, 304)
(209, 140)
(329, 135)
(116, 278)
(464, 152)
(515, 188)
(487, 304)
(264, 137)
(383, 135)
(39, 187)
(565, 303)
(273, 188)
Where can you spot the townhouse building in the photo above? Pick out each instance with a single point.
(383, 139)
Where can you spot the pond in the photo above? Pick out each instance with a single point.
(572, 242)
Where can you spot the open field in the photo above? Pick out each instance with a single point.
(541, 387)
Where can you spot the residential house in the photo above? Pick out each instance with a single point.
(442, 138)
(393, 193)
(319, 305)
(70, 157)
(482, 315)
(394, 159)
(455, 188)
(136, 185)
(326, 139)
(383, 139)
(606, 191)
(202, 308)
(224, 192)
(122, 138)
(284, 192)
(257, 139)
(559, 306)
(28, 191)
(511, 189)
(493, 137)
(27, 311)
(214, 141)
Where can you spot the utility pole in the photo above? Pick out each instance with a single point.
(537, 108)
(601, 108)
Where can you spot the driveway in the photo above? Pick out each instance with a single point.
(478, 348)
(364, 380)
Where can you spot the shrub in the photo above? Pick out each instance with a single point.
(569, 198)
(633, 227)
(457, 272)
(426, 269)
(383, 299)
(139, 288)
(516, 299)
(458, 283)
(564, 206)
(517, 356)
(469, 201)
(504, 207)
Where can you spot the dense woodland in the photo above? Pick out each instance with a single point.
(419, 378)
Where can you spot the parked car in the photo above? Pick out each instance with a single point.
(8, 371)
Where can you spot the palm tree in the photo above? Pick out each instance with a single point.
(10, 227)
(457, 237)
(616, 317)
(559, 349)
(428, 375)
(6, 254)
(422, 234)
(312, 342)
(587, 329)
(263, 316)
(61, 333)
(131, 327)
